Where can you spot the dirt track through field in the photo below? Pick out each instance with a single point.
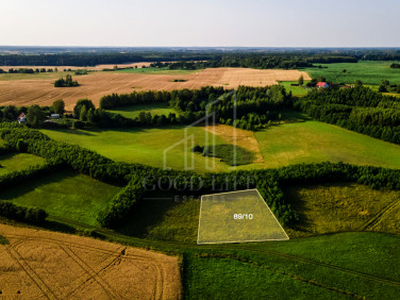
(47, 265)
(96, 85)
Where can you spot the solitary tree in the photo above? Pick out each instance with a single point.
(58, 106)
(301, 80)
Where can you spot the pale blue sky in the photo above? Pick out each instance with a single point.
(285, 23)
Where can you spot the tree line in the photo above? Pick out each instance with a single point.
(270, 182)
(359, 109)
(27, 70)
(255, 106)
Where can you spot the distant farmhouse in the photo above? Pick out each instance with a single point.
(322, 85)
(21, 118)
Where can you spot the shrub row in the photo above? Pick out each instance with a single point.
(31, 215)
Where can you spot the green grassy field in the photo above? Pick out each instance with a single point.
(314, 141)
(369, 72)
(343, 207)
(157, 71)
(213, 278)
(237, 217)
(359, 263)
(18, 161)
(144, 146)
(65, 194)
(164, 217)
(304, 142)
(296, 90)
(133, 111)
(323, 209)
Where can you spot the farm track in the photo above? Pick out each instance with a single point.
(372, 222)
(30, 273)
(92, 274)
(294, 258)
(110, 261)
(324, 265)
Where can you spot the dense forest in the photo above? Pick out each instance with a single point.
(262, 59)
(249, 107)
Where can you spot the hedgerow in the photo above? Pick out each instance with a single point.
(138, 178)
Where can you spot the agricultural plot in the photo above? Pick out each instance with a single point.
(66, 195)
(369, 72)
(145, 146)
(235, 217)
(304, 142)
(313, 141)
(98, 84)
(133, 111)
(156, 71)
(18, 161)
(344, 207)
(164, 217)
(40, 264)
(356, 263)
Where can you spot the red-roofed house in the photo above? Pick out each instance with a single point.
(21, 118)
(322, 85)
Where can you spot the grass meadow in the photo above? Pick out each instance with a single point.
(322, 209)
(145, 146)
(303, 142)
(133, 111)
(369, 72)
(65, 194)
(296, 90)
(18, 161)
(313, 141)
(164, 217)
(219, 278)
(343, 207)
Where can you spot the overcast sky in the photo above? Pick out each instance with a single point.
(277, 23)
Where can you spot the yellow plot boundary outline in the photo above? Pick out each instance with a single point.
(240, 241)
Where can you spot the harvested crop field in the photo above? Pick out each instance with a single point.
(42, 264)
(94, 68)
(94, 86)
